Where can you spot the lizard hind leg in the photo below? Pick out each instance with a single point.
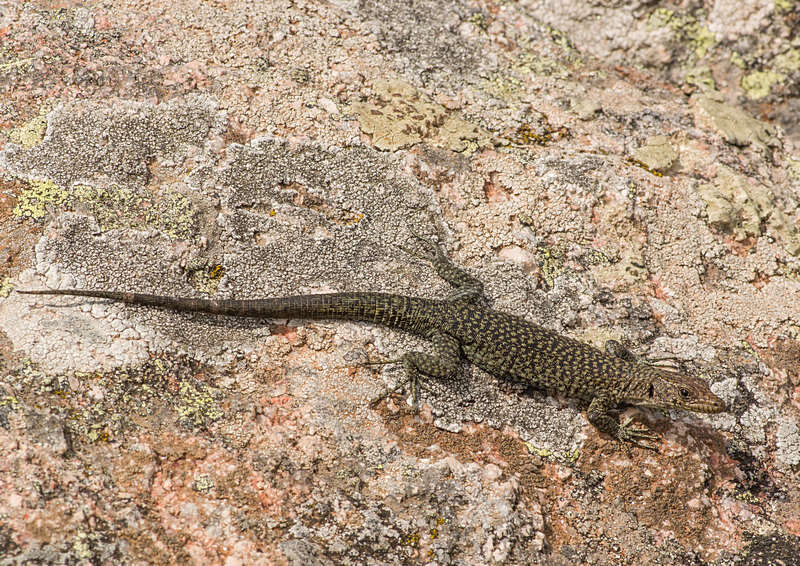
(616, 349)
(444, 363)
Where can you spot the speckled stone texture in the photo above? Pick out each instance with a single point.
(622, 171)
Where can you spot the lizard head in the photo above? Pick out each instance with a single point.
(662, 389)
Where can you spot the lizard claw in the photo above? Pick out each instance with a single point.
(389, 391)
(415, 384)
(637, 435)
(433, 253)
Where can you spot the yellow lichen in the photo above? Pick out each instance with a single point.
(5, 287)
(206, 279)
(758, 84)
(541, 452)
(197, 404)
(113, 207)
(700, 76)
(738, 60)
(31, 133)
(698, 37)
(34, 200)
(23, 64)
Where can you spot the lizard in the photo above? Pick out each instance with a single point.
(503, 344)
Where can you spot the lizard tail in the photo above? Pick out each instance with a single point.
(386, 309)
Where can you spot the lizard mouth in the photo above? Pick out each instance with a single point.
(715, 405)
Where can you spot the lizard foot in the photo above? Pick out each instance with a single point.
(637, 435)
(432, 251)
(416, 385)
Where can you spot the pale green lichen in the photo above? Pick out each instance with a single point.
(197, 404)
(793, 165)
(478, 20)
(687, 28)
(82, 547)
(505, 87)
(9, 401)
(31, 133)
(113, 207)
(734, 206)
(702, 40)
(400, 116)
(758, 84)
(786, 229)
(585, 107)
(740, 208)
(531, 63)
(738, 60)
(206, 278)
(34, 200)
(5, 287)
(459, 135)
(736, 126)
(701, 77)
(23, 64)
(173, 214)
(657, 153)
(203, 483)
(788, 62)
(560, 38)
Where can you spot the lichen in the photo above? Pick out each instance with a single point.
(787, 443)
(401, 116)
(113, 207)
(31, 133)
(197, 405)
(739, 208)
(203, 483)
(657, 153)
(551, 264)
(701, 77)
(738, 60)
(736, 126)
(173, 214)
(758, 84)
(5, 287)
(34, 200)
(730, 205)
(206, 278)
(687, 27)
(788, 62)
(23, 64)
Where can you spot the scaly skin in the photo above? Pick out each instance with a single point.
(504, 345)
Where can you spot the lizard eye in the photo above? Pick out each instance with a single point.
(651, 391)
(684, 393)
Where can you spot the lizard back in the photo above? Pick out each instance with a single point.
(510, 346)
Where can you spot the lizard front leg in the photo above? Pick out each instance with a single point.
(599, 414)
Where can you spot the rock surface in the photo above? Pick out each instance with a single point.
(626, 171)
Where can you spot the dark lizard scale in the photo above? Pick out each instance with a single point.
(502, 344)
